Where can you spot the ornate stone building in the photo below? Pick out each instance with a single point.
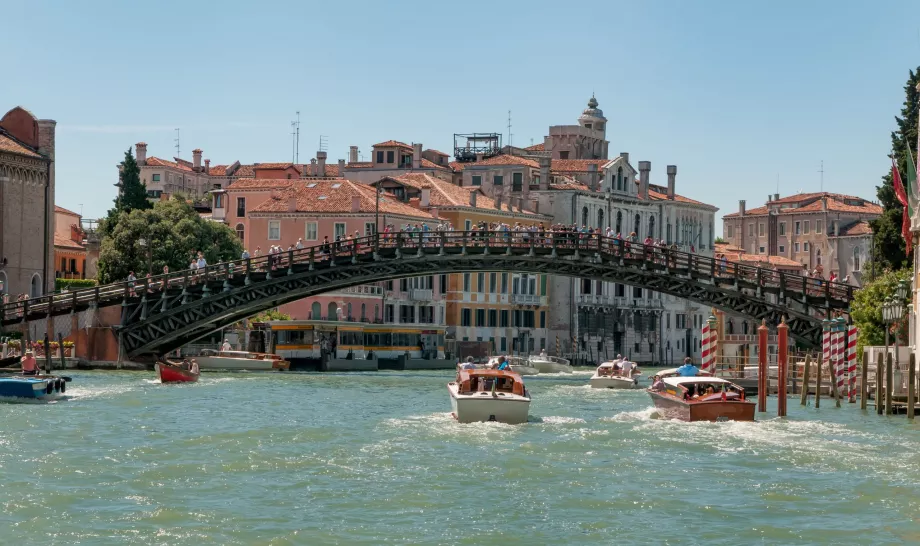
(26, 203)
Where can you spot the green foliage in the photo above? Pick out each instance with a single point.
(866, 309)
(132, 195)
(271, 314)
(889, 245)
(172, 232)
(73, 284)
(719, 241)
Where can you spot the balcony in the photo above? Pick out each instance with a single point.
(360, 290)
(621, 301)
(420, 294)
(525, 299)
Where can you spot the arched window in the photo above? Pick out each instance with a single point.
(333, 311)
(376, 311)
(677, 231)
(744, 326)
(363, 311)
(669, 233)
(316, 311)
(584, 216)
(240, 231)
(651, 226)
(36, 290)
(818, 256)
(349, 311)
(731, 327)
(619, 221)
(600, 218)
(638, 225)
(856, 258)
(619, 178)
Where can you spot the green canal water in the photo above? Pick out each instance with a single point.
(375, 458)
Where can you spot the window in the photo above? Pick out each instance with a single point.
(542, 285)
(856, 259)
(798, 228)
(477, 180)
(760, 229)
(763, 250)
(492, 283)
(806, 230)
(819, 226)
(584, 216)
(796, 247)
(390, 313)
(542, 319)
(480, 282)
(504, 283)
(503, 344)
(667, 319)
(680, 321)
(310, 232)
(517, 181)
(637, 225)
(390, 157)
(619, 178)
(379, 157)
(155, 178)
(729, 231)
(480, 317)
(806, 247)
(466, 282)
(443, 284)
(750, 230)
(369, 228)
(600, 217)
(241, 207)
(782, 228)
(466, 317)
(218, 200)
(619, 221)
(637, 292)
(467, 225)
(274, 230)
(503, 316)
(388, 285)
(340, 229)
(782, 249)
(564, 154)
(404, 285)
(240, 231)
(651, 226)
(493, 318)
(498, 180)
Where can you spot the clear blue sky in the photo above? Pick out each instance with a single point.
(736, 94)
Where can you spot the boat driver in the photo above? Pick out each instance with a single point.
(29, 365)
(468, 365)
(502, 363)
(688, 369)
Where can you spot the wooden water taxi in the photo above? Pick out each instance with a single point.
(171, 372)
(608, 376)
(519, 365)
(489, 395)
(240, 360)
(701, 398)
(550, 364)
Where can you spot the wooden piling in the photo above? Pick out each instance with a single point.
(889, 379)
(818, 380)
(782, 359)
(879, 383)
(47, 354)
(805, 373)
(864, 382)
(911, 386)
(762, 368)
(61, 349)
(830, 372)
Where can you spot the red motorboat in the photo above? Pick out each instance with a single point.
(701, 398)
(177, 373)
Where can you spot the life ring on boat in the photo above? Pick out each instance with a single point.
(50, 387)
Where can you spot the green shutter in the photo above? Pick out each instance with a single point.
(542, 285)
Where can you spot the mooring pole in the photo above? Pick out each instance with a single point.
(805, 376)
(782, 359)
(879, 383)
(911, 385)
(818, 380)
(864, 383)
(889, 379)
(762, 368)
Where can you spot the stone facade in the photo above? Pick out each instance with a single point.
(27, 203)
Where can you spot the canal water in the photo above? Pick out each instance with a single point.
(375, 458)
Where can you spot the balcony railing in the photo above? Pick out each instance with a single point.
(619, 301)
(364, 289)
(420, 294)
(525, 299)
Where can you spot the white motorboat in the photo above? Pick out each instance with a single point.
(211, 360)
(550, 364)
(489, 395)
(609, 376)
(519, 365)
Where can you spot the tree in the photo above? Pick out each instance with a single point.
(132, 194)
(271, 314)
(173, 234)
(866, 309)
(890, 250)
(719, 241)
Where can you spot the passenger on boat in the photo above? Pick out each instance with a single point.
(503, 364)
(468, 365)
(542, 353)
(29, 365)
(657, 383)
(688, 369)
(193, 366)
(626, 368)
(226, 345)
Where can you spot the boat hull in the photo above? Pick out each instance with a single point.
(525, 370)
(174, 374)
(26, 387)
(614, 383)
(484, 406)
(671, 407)
(212, 363)
(545, 366)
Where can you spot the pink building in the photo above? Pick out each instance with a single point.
(281, 212)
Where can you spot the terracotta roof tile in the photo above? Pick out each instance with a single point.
(814, 202)
(780, 261)
(389, 143)
(432, 150)
(262, 166)
(445, 194)
(262, 183)
(244, 171)
(426, 164)
(360, 165)
(456, 166)
(335, 197)
(218, 170)
(576, 165)
(858, 228)
(157, 162)
(64, 211)
(64, 242)
(536, 148)
(504, 159)
(8, 144)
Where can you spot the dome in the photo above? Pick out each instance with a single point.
(592, 112)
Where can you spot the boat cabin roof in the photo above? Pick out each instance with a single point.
(672, 372)
(547, 358)
(709, 380)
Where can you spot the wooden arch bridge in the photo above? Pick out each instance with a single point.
(162, 313)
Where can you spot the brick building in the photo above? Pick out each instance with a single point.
(26, 203)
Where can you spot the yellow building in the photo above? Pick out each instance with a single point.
(507, 308)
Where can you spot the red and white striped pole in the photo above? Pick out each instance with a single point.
(840, 356)
(851, 360)
(706, 350)
(709, 343)
(825, 346)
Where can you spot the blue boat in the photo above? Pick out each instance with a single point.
(31, 387)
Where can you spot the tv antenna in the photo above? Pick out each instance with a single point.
(178, 149)
(293, 141)
(822, 176)
(323, 143)
(509, 129)
(297, 155)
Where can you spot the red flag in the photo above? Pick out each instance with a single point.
(905, 231)
(898, 185)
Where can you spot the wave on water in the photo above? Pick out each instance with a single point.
(643, 415)
(556, 420)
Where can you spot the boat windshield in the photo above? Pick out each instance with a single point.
(485, 383)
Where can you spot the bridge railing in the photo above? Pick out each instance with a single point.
(519, 242)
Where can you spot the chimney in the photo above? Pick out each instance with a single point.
(292, 204)
(207, 166)
(473, 198)
(645, 167)
(824, 203)
(352, 154)
(426, 197)
(342, 168)
(141, 153)
(321, 163)
(303, 170)
(434, 212)
(741, 207)
(356, 203)
(776, 197)
(196, 159)
(769, 197)
(625, 156)
(672, 174)
(592, 174)
(544, 172)
(312, 170)
(416, 155)
(498, 201)
(479, 157)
